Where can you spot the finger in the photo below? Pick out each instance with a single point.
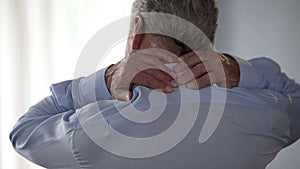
(147, 80)
(201, 54)
(162, 76)
(192, 74)
(187, 55)
(163, 55)
(167, 57)
(201, 82)
(142, 60)
(184, 63)
(155, 63)
(188, 61)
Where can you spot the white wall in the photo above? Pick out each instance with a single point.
(251, 28)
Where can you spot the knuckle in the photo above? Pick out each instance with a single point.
(145, 81)
(157, 85)
(159, 75)
(211, 78)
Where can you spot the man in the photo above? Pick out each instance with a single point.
(79, 127)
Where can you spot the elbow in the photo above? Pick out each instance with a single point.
(16, 137)
(21, 135)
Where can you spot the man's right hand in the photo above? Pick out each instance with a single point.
(142, 67)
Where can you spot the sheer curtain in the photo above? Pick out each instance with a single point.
(40, 41)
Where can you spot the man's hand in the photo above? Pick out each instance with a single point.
(142, 67)
(207, 68)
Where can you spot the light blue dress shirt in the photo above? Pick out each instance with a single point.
(78, 126)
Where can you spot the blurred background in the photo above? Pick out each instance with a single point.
(41, 40)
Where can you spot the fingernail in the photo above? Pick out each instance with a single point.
(191, 85)
(181, 80)
(171, 59)
(169, 89)
(174, 83)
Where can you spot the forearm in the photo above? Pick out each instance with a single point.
(264, 73)
(66, 97)
(42, 137)
(74, 94)
(42, 133)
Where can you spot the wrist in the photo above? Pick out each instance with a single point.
(108, 76)
(231, 69)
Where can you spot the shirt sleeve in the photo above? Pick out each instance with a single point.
(264, 73)
(74, 94)
(42, 134)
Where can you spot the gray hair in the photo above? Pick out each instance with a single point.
(201, 13)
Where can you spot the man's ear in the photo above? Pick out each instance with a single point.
(138, 32)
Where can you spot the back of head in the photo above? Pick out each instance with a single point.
(201, 13)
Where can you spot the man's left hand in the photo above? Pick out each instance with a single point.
(207, 68)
